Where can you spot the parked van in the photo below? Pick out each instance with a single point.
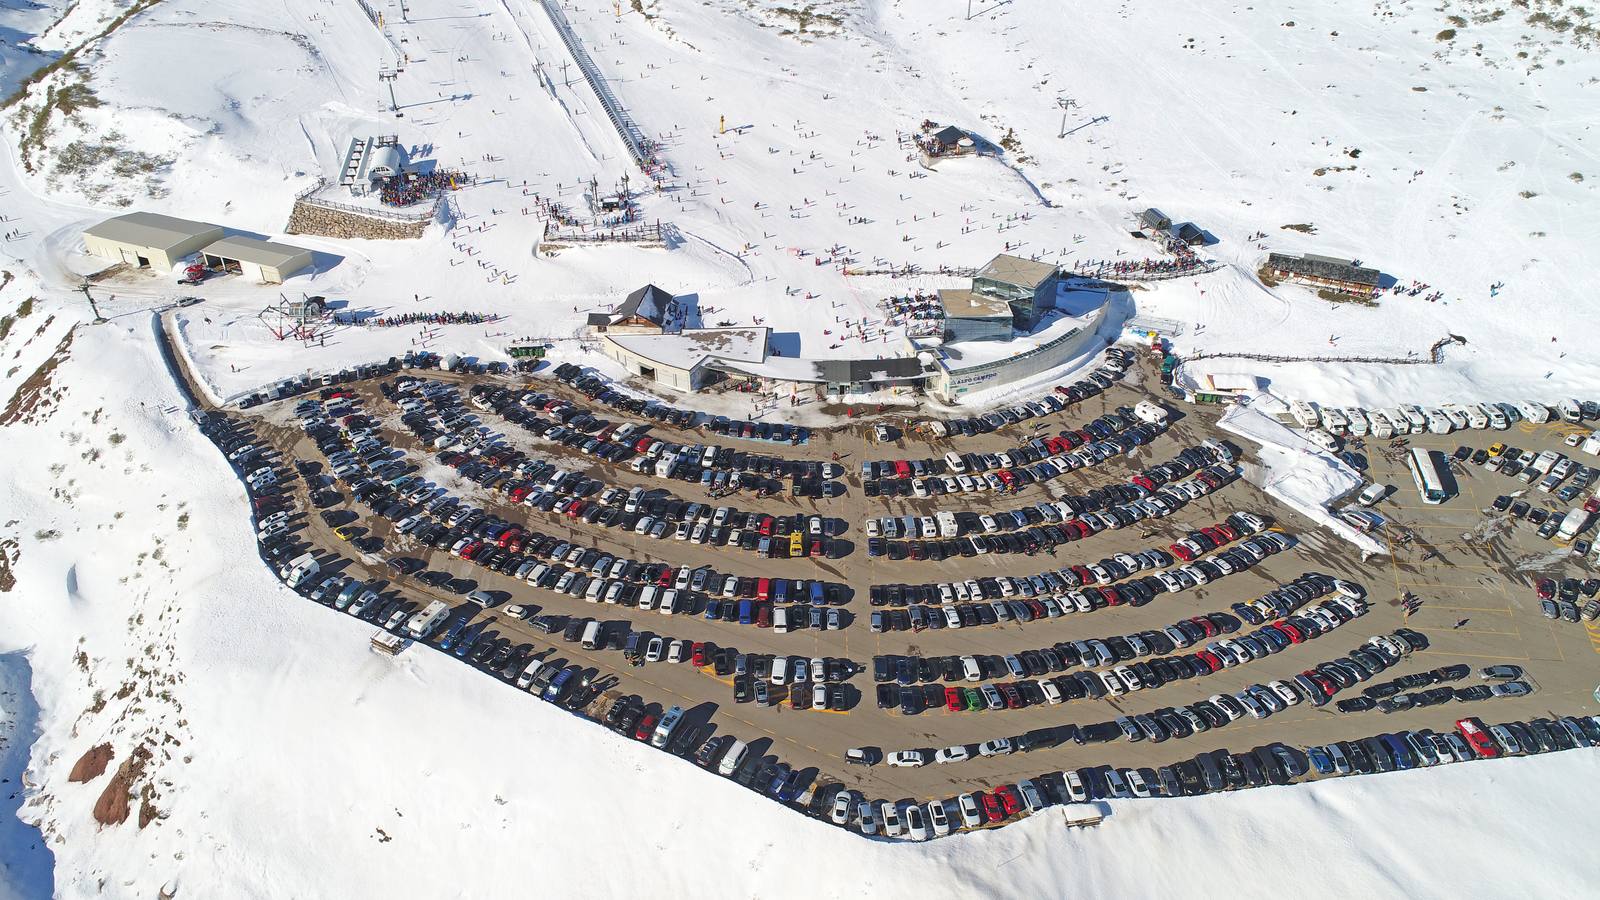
(732, 759)
(1324, 440)
(1334, 421)
(669, 602)
(1456, 415)
(667, 725)
(780, 619)
(1372, 494)
(1476, 416)
(1537, 413)
(1382, 428)
(1358, 420)
(1150, 413)
(1544, 461)
(1571, 411)
(648, 596)
(1497, 417)
(1415, 418)
(948, 526)
(1439, 423)
(300, 569)
(591, 636)
(955, 463)
(423, 623)
(1304, 413)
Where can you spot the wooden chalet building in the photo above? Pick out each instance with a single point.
(1340, 275)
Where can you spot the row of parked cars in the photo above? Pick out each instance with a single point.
(1167, 499)
(1080, 588)
(1112, 665)
(720, 469)
(1416, 689)
(1040, 460)
(1212, 771)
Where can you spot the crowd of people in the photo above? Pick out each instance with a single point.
(414, 187)
(921, 313)
(1181, 263)
(417, 318)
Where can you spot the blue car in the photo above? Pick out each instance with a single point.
(713, 610)
(746, 609)
(778, 778)
(558, 685)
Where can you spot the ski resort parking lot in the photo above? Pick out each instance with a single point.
(807, 626)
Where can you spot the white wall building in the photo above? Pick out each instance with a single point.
(148, 240)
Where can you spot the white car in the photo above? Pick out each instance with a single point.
(996, 747)
(653, 650)
(916, 823)
(843, 805)
(939, 818)
(971, 817)
(908, 759)
(954, 754)
(891, 818)
(678, 652)
(515, 612)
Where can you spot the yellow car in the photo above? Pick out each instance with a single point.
(1496, 448)
(345, 532)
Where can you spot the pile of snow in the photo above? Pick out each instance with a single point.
(1296, 471)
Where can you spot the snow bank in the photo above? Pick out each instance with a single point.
(1296, 471)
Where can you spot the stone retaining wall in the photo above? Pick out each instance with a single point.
(312, 218)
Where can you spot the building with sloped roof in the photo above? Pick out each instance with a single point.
(1341, 275)
(648, 310)
(266, 262)
(148, 240)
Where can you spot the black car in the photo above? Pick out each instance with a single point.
(1356, 704)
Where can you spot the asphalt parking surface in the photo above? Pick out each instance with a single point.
(1463, 562)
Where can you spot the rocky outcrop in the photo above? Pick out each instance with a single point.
(314, 218)
(92, 764)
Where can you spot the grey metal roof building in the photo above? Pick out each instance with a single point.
(266, 261)
(145, 239)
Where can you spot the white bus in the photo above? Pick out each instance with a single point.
(1428, 473)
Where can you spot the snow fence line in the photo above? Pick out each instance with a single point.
(1321, 477)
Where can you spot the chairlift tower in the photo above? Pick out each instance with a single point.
(388, 76)
(98, 319)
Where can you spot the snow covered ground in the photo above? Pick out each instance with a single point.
(281, 758)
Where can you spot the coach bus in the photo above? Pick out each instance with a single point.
(1429, 475)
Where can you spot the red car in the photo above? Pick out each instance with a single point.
(519, 492)
(1012, 696)
(991, 807)
(1111, 595)
(902, 469)
(647, 727)
(763, 588)
(576, 509)
(1295, 635)
(1006, 478)
(764, 616)
(765, 528)
(1181, 552)
(1209, 660)
(697, 655)
(953, 700)
(1546, 588)
(1206, 625)
(1009, 799)
(666, 578)
(1476, 734)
